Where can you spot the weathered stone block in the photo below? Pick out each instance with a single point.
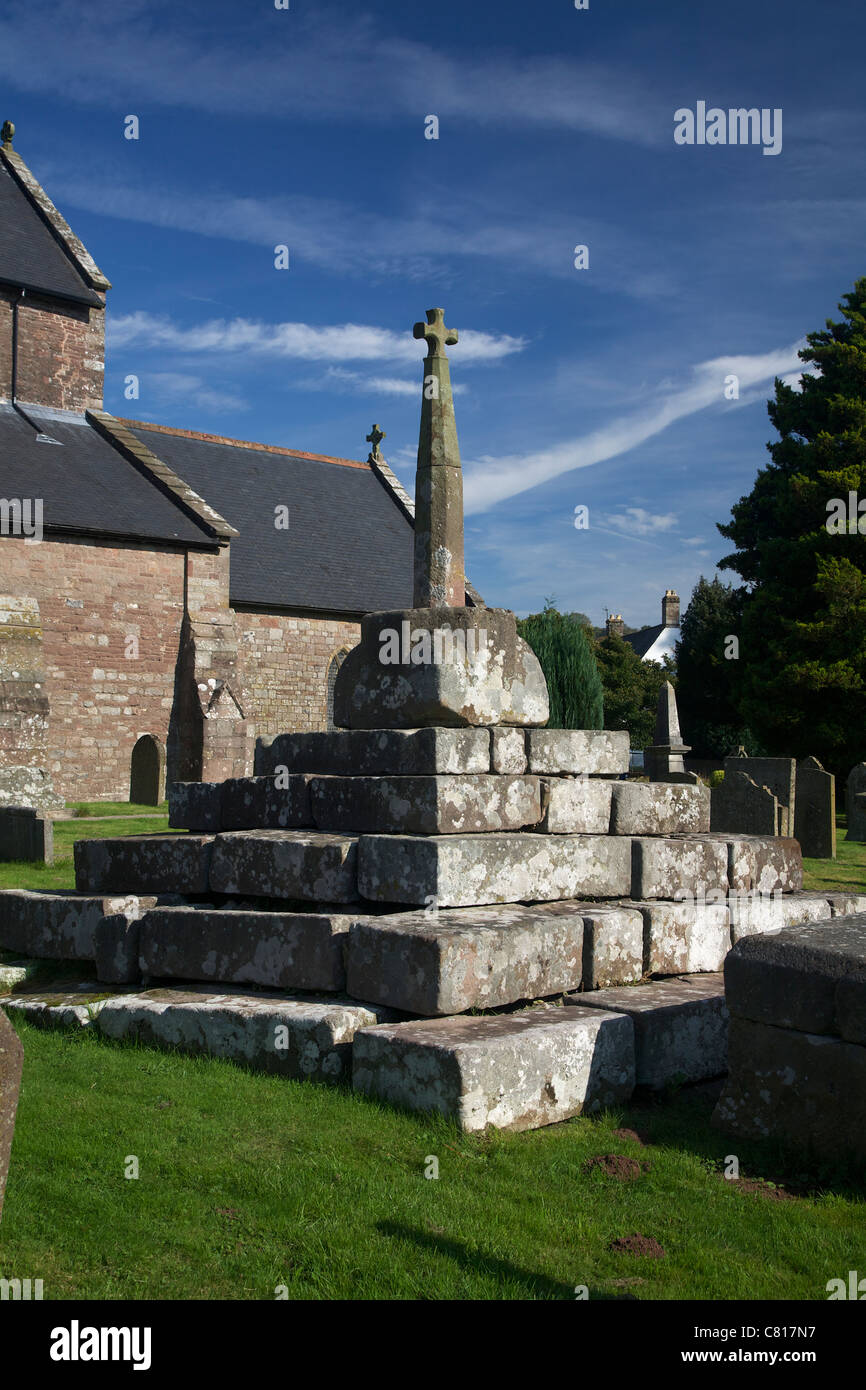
(591, 751)
(304, 1039)
(143, 864)
(253, 803)
(659, 808)
(512, 1071)
(612, 946)
(469, 870)
(753, 913)
(507, 750)
(71, 1010)
(846, 904)
(379, 752)
(300, 865)
(283, 950)
(195, 805)
(666, 868)
(115, 941)
(684, 938)
(789, 979)
(764, 864)
(576, 805)
(479, 673)
(466, 958)
(59, 925)
(805, 1089)
(426, 805)
(680, 1027)
(11, 1062)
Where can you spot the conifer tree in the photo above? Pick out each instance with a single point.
(564, 649)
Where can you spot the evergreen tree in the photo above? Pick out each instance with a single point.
(631, 689)
(803, 642)
(708, 686)
(567, 660)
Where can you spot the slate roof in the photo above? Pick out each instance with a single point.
(85, 484)
(30, 254)
(652, 643)
(349, 544)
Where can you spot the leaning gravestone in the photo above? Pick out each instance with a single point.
(815, 811)
(855, 802)
(779, 775)
(739, 805)
(10, 1080)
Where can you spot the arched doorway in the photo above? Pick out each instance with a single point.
(146, 772)
(333, 667)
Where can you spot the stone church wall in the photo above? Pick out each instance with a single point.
(61, 351)
(285, 659)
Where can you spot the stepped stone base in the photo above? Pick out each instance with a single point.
(144, 864)
(684, 938)
(664, 868)
(612, 946)
(794, 979)
(576, 806)
(303, 865)
(302, 1039)
(513, 1071)
(467, 958)
(647, 808)
(680, 1027)
(426, 805)
(470, 870)
(60, 926)
(591, 752)
(300, 950)
(381, 752)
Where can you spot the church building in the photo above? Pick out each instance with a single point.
(166, 596)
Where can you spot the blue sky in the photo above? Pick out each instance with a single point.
(601, 387)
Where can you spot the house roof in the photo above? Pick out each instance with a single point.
(38, 251)
(86, 485)
(654, 643)
(348, 546)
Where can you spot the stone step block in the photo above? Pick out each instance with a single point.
(446, 805)
(466, 957)
(64, 1009)
(680, 1027)
(378, 752)
(764, 864)
(806, 1089)
(507, 750)
(659, 808)
(684, 938)
(470, 870)
(60, 925)
(282, 950)
(753, 914)
(612, 946)
(298, 865)
(791, 979)
(272, 803)
(299, 1038)
(576, 805)
(595, 752)
(144, 864)
(195, 805)
(668, 867)
(512, 1071)
(846, 904)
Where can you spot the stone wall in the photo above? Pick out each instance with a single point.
(61, 352)
(285, 660)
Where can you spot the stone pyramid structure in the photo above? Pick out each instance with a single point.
(442, 900)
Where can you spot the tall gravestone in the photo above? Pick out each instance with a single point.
(741, 807)
(779, 776)
(664, 759)
(815, 810)
(855, 802)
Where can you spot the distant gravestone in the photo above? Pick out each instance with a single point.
(25, 835)
(779, 776)
(10, 1081)
(146, 772)
(815, 818)
(664, 759)
(740, 806)
(855, 802)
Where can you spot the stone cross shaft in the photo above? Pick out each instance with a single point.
(439, 575)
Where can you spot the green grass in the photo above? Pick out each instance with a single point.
(114, 808)
(248, 1182)
(846, 871)
(61, 874)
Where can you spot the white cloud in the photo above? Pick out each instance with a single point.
(490, 480)
(182, 386)
(352, 342)
(642, 522)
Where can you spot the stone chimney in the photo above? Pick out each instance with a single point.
(615, 625)
(671, 608)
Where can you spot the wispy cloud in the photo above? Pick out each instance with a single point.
(362, 381)
(490, 480)
(641, 522)
(353, 342)
(183, 386)
(320, 67)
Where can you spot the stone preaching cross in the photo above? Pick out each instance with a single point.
(440, 581)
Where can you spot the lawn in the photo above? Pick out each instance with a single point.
(137, 820)
(250, 1183)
